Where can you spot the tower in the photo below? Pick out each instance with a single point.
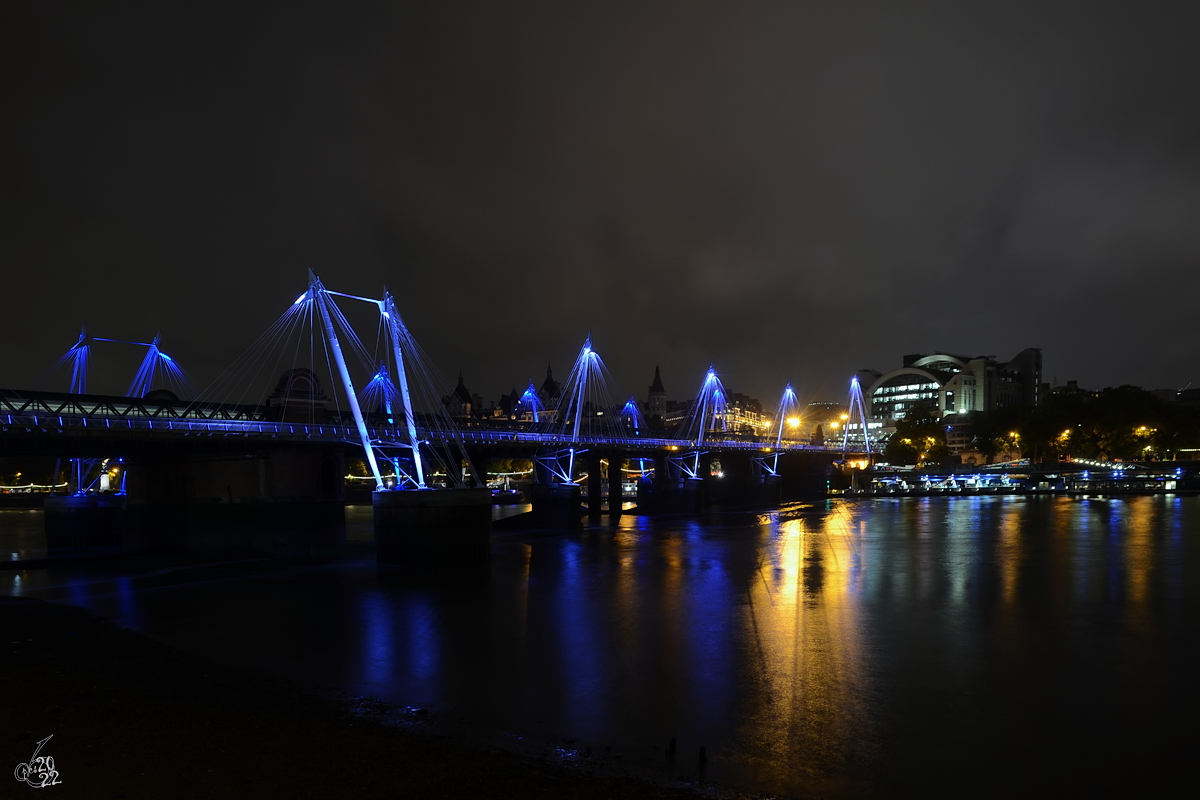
(550, 388)
(657, 399)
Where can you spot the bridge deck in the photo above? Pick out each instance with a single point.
(45, 413)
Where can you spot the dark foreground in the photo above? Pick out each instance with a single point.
(131, 717)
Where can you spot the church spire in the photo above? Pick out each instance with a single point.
(657, 386)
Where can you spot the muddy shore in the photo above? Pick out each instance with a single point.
(132, 717)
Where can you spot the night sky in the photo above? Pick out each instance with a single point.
(788, 191)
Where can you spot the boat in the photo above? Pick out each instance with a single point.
(507, 496)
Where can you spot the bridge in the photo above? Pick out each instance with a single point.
(238, 443)
(76, 418)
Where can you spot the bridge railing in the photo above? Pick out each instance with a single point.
(635, 442)
(63, 412)
(48, 421)
(55, 404)
(66, 422)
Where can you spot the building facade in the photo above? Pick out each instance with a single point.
(956, 384)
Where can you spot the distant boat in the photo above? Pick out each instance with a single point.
(507, 496)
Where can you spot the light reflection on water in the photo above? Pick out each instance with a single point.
(935, 646)
(22, 535)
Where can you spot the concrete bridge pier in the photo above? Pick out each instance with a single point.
(697, 491)
(542, 474)
(428, 526)
(805, 474)
(595, 483)
(860, 481)
(731, 484)
(616, 461)
(765, 486)
(555, 504)
(664, 493)
(772, 488)
(730, 478)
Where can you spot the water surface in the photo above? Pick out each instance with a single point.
(973, 646)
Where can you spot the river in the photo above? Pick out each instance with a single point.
(971, 646)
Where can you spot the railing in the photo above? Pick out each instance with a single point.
(56, 404)
(632, 442)
(65, 422)
(61, 412)
(57, 418)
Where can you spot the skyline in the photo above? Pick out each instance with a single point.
(790, 193)
(109, 369)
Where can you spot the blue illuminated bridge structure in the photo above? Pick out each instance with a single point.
(358, 378)
(120, 417)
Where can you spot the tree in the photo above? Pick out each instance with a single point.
(901, 451)
(1117, 423)
(920, 437)
(992, 433)
(1179, 429)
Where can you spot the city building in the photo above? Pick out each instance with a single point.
(461, 403)
(1186, 397)
(744, 414)
(509, 404)
(551, 389)
(656, 402)
(955, 384)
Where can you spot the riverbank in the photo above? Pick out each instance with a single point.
(131, 717)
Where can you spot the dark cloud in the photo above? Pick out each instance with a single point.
(789, 191)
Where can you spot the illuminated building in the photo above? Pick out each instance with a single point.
(744, 414)
(955, 384)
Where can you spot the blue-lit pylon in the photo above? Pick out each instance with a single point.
(710, 406)
(79, 354)
(382, 394)
(531, 404)
(318, 295)
(577, 385)
(396, 332)
(145, 374)
(154, 362)
(584, 411)
(402, 346)
(857, 408)
(788, 416)
(631, 416)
